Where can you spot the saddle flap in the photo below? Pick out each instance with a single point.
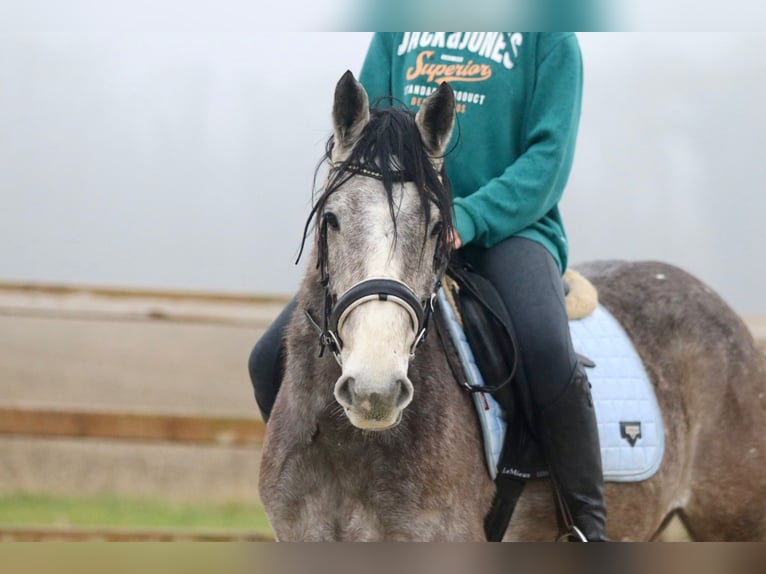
(486, 332)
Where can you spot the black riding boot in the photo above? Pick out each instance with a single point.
(569, 436)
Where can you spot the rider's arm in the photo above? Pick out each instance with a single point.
(531, 186)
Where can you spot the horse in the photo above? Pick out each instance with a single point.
(375, 440)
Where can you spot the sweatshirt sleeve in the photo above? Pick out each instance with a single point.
(531, 186)
(376, 70)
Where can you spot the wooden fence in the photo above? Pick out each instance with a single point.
(51, 422)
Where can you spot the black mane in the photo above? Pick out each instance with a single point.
(390, 145)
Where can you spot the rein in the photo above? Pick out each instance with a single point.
(336, 312)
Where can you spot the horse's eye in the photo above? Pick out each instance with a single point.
(437, 229)
(332, 220)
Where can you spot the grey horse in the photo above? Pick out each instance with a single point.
(380, 443)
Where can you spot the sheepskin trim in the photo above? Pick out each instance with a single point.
(582, 299)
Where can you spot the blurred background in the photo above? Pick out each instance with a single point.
(154, 182)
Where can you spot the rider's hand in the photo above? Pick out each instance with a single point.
(454, 239)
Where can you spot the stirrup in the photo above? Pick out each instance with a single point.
(573, 531)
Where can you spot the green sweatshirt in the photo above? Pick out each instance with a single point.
(518, 103)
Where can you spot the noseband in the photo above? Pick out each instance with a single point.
(336, 312)
(374, 289)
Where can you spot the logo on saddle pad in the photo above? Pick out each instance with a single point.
(630, 431)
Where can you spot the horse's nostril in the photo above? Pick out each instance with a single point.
(404, 393)
(344, 391)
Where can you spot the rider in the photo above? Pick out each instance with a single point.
(518, 101)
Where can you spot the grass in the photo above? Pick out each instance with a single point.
(117, 512)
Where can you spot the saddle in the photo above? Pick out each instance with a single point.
(473, 302)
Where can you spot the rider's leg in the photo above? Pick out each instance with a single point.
(528, 280)
(266, 364)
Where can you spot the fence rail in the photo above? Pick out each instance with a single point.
(52, 422)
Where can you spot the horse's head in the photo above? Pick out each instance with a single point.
(382, 227)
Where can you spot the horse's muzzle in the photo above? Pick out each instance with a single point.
(373, 406)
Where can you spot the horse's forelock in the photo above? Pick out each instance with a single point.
(392, 146)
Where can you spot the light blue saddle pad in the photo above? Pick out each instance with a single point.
(629, 421)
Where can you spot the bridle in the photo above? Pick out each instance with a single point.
(336, 311)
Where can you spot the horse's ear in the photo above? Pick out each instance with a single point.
(436, 118)
(350, 112)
